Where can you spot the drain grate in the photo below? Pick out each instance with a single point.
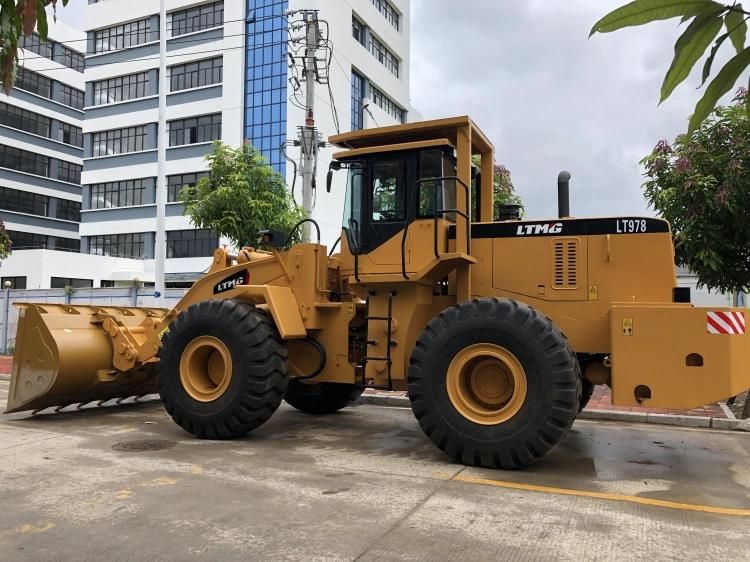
(143, 445)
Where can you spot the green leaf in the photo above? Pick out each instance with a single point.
(640, 12)
(688, 49)
(737, 27)
(41, 21)
(720, 85)
(710, 59)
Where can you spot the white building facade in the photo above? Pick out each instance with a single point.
(41, 150)
(229, 77)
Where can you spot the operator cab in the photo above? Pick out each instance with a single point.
(412, 193)
(388, 190)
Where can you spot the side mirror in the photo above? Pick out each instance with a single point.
(329, 180)
(334, 165)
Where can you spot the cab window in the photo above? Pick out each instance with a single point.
(436, 164)
(388, 191)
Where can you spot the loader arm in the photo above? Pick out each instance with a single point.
(79, 354)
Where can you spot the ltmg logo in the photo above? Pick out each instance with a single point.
(537, 229)
(241, 278)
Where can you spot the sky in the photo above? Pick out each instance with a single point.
(550, 98)
(547, 96)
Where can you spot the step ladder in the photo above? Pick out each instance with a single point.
(388, 319)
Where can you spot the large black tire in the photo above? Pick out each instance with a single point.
(321, 398)
(552, 375)
(257, 373)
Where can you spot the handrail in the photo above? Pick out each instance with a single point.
(438, 212)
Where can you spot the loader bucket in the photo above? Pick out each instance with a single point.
(63, 357)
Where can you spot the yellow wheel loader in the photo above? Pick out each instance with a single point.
(498, 330)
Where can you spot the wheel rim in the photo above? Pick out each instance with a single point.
(205, 368)
(486, 384)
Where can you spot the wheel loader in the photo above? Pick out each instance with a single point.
(498, 330)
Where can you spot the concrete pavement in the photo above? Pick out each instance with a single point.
(361, 485)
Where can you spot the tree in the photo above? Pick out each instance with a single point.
(5, 242)
(707, 20)
(241, 196)
(701, 184)
(503, 193)
(17, 18)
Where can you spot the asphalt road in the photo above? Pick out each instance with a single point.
(364, 484)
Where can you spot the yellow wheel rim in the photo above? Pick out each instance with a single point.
(486, 384)
(205, 368)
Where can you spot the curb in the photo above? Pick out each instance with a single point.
(601, 415)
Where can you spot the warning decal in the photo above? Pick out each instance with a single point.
(732, 323)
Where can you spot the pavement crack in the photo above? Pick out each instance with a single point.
(420, 503)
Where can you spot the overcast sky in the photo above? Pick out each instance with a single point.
(548, 97)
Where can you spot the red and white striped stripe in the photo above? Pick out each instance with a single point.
(732, 323)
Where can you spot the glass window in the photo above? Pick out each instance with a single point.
(71, 96)
(266, 81)
(180, 181)
(70, 134)
(387, 104)
(389, 12)
(122, 36)
(195, 74)
(68, 244)
(121, 88)
(35, 44)
(388, 191)
(117, 245)
(70, 58)
(69, 172)
(119, 141)
(358, 92)
(384, 55)
(23, 161)
(197, 18)
(25, 120)
(33, 82)
(193, 130)
(359, 31)
(62, 282)
(27, 240)
(436, 164)
(15, 282)
(191, 243)
(125, 193)
(23, 201)
(69, 211)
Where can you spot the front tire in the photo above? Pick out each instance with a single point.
(494, 383)
(223, 369)
(321, 398)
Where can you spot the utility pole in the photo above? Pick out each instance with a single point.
(308, 133)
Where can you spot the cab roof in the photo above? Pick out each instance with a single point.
(414, 132)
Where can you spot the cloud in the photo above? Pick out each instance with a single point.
(549, 97)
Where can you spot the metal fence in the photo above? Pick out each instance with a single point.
(126, 296)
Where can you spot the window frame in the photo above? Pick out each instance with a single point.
(114, 90)
(119, 141)
(185, 77)
(195, 18)
(122, 193)
(195, 127)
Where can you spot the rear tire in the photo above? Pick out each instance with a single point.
(223, 369)
(495, 420)
(321, 398)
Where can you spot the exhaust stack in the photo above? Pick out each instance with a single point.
(563, 194)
